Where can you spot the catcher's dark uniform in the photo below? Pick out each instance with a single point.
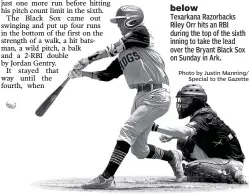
(213, 136)
(221, 146)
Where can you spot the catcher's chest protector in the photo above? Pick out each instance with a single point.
(214, 137)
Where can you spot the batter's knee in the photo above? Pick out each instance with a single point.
(139, 153)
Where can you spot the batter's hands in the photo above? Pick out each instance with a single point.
(81, 64)
(75, 74)
(165, 138)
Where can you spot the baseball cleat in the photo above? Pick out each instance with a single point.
(99, 183)
(176, 165)
(240, 178)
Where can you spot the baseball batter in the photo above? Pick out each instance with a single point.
(206, 138)
(144, 70)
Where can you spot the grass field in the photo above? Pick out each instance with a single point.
(138, 184)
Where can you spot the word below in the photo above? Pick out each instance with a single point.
(183, 8)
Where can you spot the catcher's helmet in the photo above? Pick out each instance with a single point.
(190, 98)
(132, 14)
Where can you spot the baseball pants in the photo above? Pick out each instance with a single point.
(147, 107)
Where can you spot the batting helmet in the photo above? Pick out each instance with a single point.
(132, 14)
(190, 98)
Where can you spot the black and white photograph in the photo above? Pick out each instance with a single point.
(111, 96)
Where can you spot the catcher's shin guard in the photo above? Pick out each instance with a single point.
(209, 170)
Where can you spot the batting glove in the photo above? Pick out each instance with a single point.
(165, 138)
(75, 74)
(81, 64)
(154, 127)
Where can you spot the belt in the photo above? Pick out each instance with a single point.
(148, 87)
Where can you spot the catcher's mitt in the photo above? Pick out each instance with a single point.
(213, 170)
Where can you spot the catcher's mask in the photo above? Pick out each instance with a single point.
(190, 98)
(130, 15)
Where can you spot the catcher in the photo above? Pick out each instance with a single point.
(144, 70)
(207, 143)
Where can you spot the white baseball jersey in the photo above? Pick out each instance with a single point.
(142, 66)
(139, 63)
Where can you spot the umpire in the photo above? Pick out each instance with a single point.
(206, 135)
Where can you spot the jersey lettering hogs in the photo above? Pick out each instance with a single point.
(142, 66)
(128, 58)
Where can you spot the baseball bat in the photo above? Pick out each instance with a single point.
(49, 101)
